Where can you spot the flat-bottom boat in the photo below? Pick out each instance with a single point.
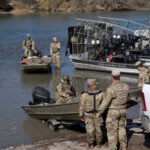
(36, 64)
(68, 111)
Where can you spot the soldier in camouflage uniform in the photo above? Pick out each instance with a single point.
(143, 75)
(64, 91)
(115, 100)
(89, 102)
(28, 46)
(149, 72)
(55, 52)
(143, 78)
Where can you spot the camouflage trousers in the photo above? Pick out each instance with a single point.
(27, 52)
(60, 100)
(93, 128)
(116, 128)
(56, 60)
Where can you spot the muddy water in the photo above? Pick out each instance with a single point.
(16, 87)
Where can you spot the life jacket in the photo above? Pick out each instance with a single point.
(28, 43)
(24, 62)
(55, 47)
(93, 101)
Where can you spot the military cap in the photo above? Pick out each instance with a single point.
(28, 35)
(138, 63)
(54, 39)
(115, 73)
(91, 81)
(65, 77)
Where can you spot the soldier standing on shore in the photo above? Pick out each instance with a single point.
(89, 102)
(143, 78)
(55, 52)
(28, 46)
(115, 101)
(143, 75)
(64, 90)
(149, 72)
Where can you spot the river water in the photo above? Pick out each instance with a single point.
(16, 87)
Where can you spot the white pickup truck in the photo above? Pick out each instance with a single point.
(145, 118)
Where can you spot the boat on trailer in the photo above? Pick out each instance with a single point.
(106, 44)
(68, 111)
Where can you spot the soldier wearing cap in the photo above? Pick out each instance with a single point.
(143, 75)
(55, 52)
(90, 101)
(115, 102)
(28, 46)
(64, 90)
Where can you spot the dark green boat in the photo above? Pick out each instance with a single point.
(68, 111)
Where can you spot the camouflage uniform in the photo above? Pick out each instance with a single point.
(64, 92)
(143, 77)
(149, 72)
(89, 103)
(28, 46)
(55, 52)
(116, 102)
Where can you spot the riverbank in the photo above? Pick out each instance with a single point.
(71, 6)
(137, 139)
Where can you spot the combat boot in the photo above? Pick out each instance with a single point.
(98, 144)
(90, 146)
(123, 148)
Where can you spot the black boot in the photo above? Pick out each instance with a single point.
(98, 144)
(90, 146)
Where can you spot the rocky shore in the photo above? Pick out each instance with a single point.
(68, 6)
(137, 139)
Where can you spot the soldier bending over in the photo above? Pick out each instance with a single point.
(143, 75)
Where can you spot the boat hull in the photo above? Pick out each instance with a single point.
(104, 66)
(35, 64)
(67, 111)
(36, 67)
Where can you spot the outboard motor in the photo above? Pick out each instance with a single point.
(40, 95)
(37, 53)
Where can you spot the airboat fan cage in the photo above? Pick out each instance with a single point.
(92, 33)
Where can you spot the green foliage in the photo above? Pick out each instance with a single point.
(44, 4)
(29, 2)
(4, 2)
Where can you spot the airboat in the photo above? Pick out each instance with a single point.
(108, 43)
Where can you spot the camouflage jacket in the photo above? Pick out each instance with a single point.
(55, 48)
(65, 89)
(149, 72)
(143, 77)
(28, 44)
(115, 97)
(90, 102)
